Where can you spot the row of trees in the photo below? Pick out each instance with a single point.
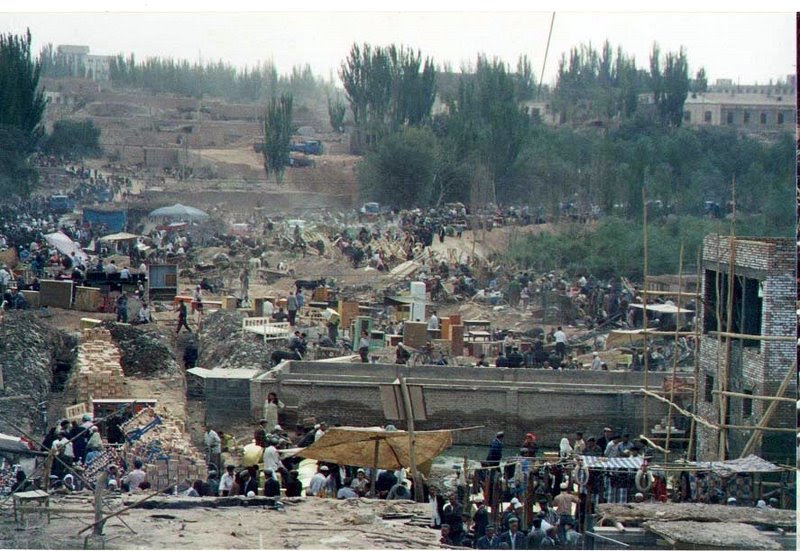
(607, 85)
(218, 79)
(485, 146)
(388, 89)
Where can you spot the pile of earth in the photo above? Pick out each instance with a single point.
(144, 352)
(29, 350)
(222, 344)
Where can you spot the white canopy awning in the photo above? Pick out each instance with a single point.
(663, 308)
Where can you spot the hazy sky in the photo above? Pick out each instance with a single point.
(746, 46)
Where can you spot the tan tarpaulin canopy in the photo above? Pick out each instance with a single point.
(356, 446)
(624, 337)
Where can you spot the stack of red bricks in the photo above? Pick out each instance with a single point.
(99, 372)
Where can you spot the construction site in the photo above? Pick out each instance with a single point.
(356, 345)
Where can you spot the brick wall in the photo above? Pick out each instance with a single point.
(757, 369)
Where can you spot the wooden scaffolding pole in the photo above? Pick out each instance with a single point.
(723, 401)
(690, 447)
(755, 438)
(756, 396)
(743, 336)
(644, 317)
(681, 410)
(674, 353)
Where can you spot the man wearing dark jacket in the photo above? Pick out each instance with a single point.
(495, 450)
(489, 541)
(514, 538)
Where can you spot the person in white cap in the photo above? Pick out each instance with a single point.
(514, 509)
(320, 430)
(318, 483)
(563, 504)
(360, 483)
(597, 362)
(732, 502)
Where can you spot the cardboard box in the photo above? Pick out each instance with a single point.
(32, 298)
(55, 293)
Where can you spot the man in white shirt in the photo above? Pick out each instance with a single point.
(272, 459)
(124, 274)
(226, 482)
(318, 483)
(110, 268)
(597, 363)
(136, 476)
(561, 342)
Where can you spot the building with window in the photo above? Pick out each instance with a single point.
(750, 113)
(756, 361)
(84, 65)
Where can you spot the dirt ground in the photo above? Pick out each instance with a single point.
(304, 523)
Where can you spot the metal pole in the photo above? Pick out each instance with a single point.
(412, 447)
(546, 51)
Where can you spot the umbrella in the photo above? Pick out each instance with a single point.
(356, 446)
(66, 246)
(121, 236)
(178, 211)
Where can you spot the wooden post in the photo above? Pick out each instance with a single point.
(690, 446)
(723, 400)
(675, 353)
(372, 491)
(412, 446)
(48, 466)
(645, 421)
(97, 529)
(756, 436)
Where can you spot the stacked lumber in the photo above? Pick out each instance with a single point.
(99, 371)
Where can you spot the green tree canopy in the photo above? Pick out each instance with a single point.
(277, 135)
(22, 105)
(73, 139)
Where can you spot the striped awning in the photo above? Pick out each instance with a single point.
(600, 462)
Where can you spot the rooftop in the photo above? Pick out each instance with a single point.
(742, 99)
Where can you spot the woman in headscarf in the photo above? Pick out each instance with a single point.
(271, 408)
(564, 449)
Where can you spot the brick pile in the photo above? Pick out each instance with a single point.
(98, 372)
(167, 440)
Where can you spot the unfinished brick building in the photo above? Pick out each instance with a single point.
(763, 304)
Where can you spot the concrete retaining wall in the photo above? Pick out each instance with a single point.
(551, 404)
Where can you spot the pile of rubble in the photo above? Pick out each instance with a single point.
(222, 344)
(143, 353)
(29, 348)
(163, 444)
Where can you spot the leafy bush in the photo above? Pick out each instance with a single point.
(74, 139)
(614, 246)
